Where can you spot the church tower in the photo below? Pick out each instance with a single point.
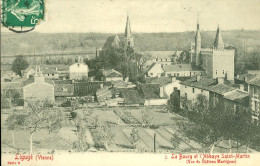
(197, 45)
(218, 44)
(129, 40)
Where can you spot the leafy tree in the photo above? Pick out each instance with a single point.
(146, 118)
(38, 117)
(174, 102)
(14, 122)
(19, 64)
(134, 137)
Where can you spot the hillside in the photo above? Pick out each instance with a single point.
(39, 43)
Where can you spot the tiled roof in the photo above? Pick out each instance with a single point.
(247, 77)
(203, 83)
(162, 81)
(104, 93)
(160, 54)
(236, 95)
(131, 96)
(49, 71)
(112, 73)
(151, 91)
(177, 67)
(59, 90)
(31, 80)
(221, 88)
(63, 81)
(11, 85)
(255, 81)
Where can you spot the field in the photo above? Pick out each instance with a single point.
(169, 139)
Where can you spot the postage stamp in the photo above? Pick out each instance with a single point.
(22, 15)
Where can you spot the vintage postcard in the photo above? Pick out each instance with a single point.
(130, 82)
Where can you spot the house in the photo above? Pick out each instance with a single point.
(153, 94)
(177, 70)
(27, 72)
(168, 83)
(39, 88)
(243, 80)
(254, 98)
(111, 75)
(78, 71)
(50, 74)
(154, 70)
(254, 72)
(215, 90)
(194, 86)
(63, 89)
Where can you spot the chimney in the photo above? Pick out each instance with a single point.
(56, 69)
(159, 75)
(127, 79)
(241, 87)
(220, 80)
(161, 92)
(245, 78)
(237, 76)
(101, 86)
(173, 79)
(198, 77)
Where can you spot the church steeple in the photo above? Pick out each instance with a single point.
(197, 44)
(129, 40)
(218, 44)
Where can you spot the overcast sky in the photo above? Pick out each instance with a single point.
(109, 16)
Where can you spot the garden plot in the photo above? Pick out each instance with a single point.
(140, 143)
(161, 141)
(120, 139)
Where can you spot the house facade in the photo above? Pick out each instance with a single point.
(254, 98)
(78, 71)
(39, 89)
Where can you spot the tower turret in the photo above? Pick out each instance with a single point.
(129, 40)
(197, 45)
(218, 44)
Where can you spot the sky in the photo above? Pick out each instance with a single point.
(109, 16)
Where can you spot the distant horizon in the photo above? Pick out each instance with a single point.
(148, 16)
(133, 32)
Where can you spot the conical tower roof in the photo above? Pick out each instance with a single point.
(218, 44)
(198, 29)
(128, 28)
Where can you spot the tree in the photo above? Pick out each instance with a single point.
(174, 102)
(19, 64)
(14, 122)
(146, 118)
(38, 117)
(134, 137)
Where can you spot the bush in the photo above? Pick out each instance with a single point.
(66, 104)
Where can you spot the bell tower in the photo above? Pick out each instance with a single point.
(129, 40)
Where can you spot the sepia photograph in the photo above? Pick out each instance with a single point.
(130, 82)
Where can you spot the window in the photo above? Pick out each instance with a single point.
(201, 90)
(254, 90)
(185, 86)
(223, 72)
(52, 74)
(156, 59)
(48, 74)
(151, 74)
(193, 90)
(178, 74)
(216, 71)
(186, 95)
(256, 105)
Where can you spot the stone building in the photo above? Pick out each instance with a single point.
(254, 98)
(39, 88)
(78, 71)
(217, 61)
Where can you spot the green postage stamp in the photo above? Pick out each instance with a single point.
(22, 15)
